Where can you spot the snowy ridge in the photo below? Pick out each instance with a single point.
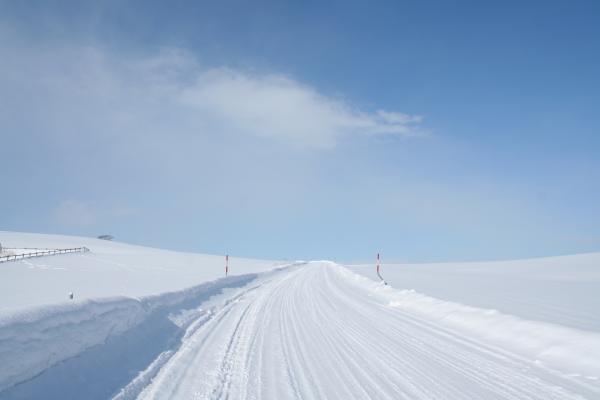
(572, 351)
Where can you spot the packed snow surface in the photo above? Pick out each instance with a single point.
(154, 324)
(320, 332)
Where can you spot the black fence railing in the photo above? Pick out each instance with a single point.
(42, 253)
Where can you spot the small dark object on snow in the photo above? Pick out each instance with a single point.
(71, 295)
(106, 237)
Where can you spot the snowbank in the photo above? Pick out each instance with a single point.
(33, 340)
(572, 351)
(124, 295)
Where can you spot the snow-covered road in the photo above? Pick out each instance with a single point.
(311, 332)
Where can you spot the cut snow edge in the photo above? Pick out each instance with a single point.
(34, 339)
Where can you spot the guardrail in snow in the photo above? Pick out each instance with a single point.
(41, 253)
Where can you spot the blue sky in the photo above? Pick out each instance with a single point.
(427, 131)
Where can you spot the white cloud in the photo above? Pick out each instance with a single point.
(399, 118)
(169, 126)
(278, 107)
(90, 89)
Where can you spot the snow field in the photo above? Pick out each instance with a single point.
(558, 290)
(109, 269)
(155, 324)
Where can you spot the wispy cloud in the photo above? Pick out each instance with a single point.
(92, 89)
(278, 107)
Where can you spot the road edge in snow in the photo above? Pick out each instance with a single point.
(35, 339)
(568, 350)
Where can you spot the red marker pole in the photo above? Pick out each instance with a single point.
(226, 264)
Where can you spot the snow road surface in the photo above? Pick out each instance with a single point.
(316, 332)
(156, 324)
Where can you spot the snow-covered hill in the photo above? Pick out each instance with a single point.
(109, 269)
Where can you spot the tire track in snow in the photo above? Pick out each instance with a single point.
(309, 333)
